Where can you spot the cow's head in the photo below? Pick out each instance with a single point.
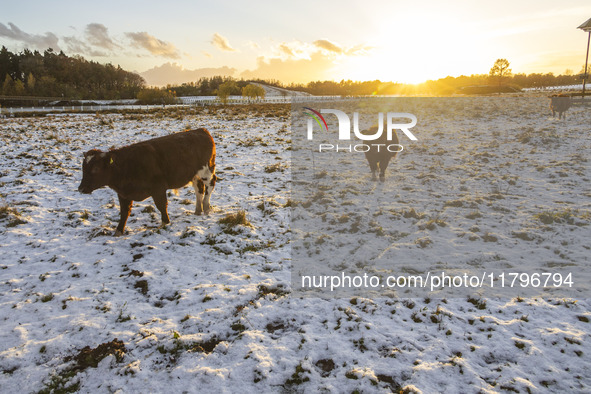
(96, 170)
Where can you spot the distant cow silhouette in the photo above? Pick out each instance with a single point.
(378, 155)
(560, 103)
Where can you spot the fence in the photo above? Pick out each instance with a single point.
(185, 102)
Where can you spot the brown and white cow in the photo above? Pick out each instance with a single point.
(378, 156)
(149, 168)
(560, 103)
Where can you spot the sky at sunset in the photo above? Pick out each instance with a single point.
(301, 41)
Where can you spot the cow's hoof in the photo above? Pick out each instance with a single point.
(198, 212)
(118, 233)
(382, 179)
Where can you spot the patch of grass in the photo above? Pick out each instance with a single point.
(321, 174)
(85, 215)
(47, 297)
(121, 318)
(86, 358)
(326, 366)
(210, 239)
(525, 136)
(207, 298)
(236, 219)
(149, 209)
(409, 304)
(238, 327)
(142, 286)
(255, 247)
(431, 224)
(59, 383)
(351, 375)
(187, 233)
(572, 341)
(12, 215)
(410, 214)
(489, 237)
(478, 303)
(519, 345)
(454, 203)
(298, 377)
(278, 290)
(274, 168)
(423, 242)
(567, 216)
(524, 235)
(104, 121)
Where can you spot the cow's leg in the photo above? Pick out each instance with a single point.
(383, 165)
(161, 203)
(205, 185)
(199, 191)
(373, 166)
(209, 186)
(124, 210)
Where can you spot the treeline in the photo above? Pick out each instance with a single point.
(348, 88)
(450, 85)
(209, 86)
(57, 75)
(223, 87)
(443, 86)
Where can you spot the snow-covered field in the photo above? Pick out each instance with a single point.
(206, 306)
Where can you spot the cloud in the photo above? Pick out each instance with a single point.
(173, 73)
(317, 67)
(253, 45)
(286, 49)
(302, 62)
(153, 45)
(328, 46)
(37, 41)
(294, 49)
(359, 50)
(207, 54)
(222, 43)
(74, 45)
(98, 35)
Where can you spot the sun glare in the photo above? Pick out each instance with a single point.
(409, 53)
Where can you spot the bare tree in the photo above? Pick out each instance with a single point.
(500, 70)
